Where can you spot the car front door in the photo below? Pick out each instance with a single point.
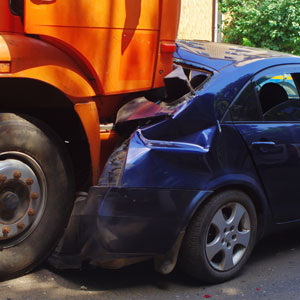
(267, 115)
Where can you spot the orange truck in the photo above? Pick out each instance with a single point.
(66, 67)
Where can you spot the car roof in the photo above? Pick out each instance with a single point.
(218, 56)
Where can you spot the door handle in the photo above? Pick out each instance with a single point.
(263, 143)
(265, 146)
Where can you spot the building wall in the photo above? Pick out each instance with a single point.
(196, 21)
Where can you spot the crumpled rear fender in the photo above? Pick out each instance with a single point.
(176, 164)
(36, 59)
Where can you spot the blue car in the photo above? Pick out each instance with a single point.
(205, 167)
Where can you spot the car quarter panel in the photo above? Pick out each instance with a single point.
(180, 153)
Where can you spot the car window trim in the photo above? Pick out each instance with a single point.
(287, 68)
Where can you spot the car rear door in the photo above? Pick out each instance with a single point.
(268, 119)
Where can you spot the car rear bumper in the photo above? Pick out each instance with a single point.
(114, 223)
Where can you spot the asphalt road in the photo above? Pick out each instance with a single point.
(273, 272)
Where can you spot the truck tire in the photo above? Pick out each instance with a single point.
(36, 193)
(220, 237)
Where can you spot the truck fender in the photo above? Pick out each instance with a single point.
(88, 115)
(35, 59)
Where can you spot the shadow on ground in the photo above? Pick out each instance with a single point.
(143, 274)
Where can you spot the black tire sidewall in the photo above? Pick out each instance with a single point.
(18, 134)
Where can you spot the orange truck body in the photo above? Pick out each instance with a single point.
(94, 52)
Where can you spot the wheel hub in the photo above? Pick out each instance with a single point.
(21, 201)
(9, 202)
(228, 238)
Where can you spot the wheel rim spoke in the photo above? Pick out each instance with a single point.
(213, 248)
(243, 238)
(219, 221)
(237, 214)
(228, 259)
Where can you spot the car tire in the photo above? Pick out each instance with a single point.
(220, 237)
(36, 193)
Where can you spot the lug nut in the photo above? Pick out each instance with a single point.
(3, 178)
(31, 212)
(34, 196)
(17, 174)
(21, 225)
(5, 230)
(29, 181)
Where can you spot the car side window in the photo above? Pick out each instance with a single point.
(246, 107)
(278, 97)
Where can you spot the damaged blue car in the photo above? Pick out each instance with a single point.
(203, 170)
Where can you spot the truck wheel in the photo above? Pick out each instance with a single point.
(36, 193)
(220, 238)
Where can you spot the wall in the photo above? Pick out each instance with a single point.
(196, 20)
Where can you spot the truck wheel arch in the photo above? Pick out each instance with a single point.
(46, 103)
(35, 59)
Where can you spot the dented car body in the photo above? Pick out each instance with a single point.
(186, 151)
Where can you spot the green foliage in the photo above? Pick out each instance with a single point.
(272, 24)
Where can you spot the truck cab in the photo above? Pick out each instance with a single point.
(66, 68)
